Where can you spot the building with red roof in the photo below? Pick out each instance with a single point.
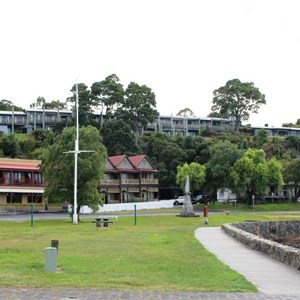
(129, 178)
(20, 181)
(126, 178)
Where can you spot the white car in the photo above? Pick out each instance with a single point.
(179, 200)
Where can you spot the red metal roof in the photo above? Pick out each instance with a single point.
(135, 160)
(23, 168)
(116, 160)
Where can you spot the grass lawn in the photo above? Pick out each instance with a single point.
(159, 253)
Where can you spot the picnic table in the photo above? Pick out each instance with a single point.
(105, 220)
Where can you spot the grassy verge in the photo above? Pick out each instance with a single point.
(159, 253)
(257, 207)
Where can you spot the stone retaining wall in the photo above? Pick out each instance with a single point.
(253, 234)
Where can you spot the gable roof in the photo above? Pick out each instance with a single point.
(124, 163)
(142, 163)
(116, 160)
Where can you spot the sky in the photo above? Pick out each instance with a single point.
(182, 49)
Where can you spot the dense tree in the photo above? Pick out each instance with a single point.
(7, 105)
(165, 153)
(292, 143)
(108, 95)
(42, 103)
(237, 99)
(223, 156)
(291, 174)
(85, 104)
(275, 177)
(261, 138)
(252, 174)
(138, 108)
(185, 112)
(196, 173)
(10, 146)
(58, 167)
(118, 138)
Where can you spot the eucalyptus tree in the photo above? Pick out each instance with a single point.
(237, 99)
(85, 103)
(138, 108)
(108, 95)
(58, 167)
(7, 105)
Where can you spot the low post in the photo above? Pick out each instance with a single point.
(54, 244)
(135, 214)
(31, 215)
(51, 259)
(205, 214)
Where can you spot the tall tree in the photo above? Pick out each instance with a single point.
(58, 167)
(237, 99)
(85, 103)
(42, 103)
(166, 155)
(223, 156)
(185, 112)
(196, 173)
(138, 108)
(7, 105)
(118, 138)
(252, 174)
(108, 95)
(291, 174)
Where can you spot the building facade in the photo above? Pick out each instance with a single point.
(125, 179)
(20, 181)
(128, 179)
(45, 119)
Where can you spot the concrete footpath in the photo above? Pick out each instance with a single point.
(270, 276)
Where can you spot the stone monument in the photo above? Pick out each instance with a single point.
(187, 208)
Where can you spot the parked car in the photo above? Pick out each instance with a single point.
(197, 199)
(179, 200)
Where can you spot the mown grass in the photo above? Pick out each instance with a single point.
(159, 253)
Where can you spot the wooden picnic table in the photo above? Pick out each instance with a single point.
(105, 220)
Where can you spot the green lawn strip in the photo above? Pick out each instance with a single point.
(159, 253)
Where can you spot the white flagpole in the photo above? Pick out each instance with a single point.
(76, 151)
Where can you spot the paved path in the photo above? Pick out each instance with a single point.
(83, 294)
(270, 276)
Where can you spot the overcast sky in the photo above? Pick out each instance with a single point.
(182, 49)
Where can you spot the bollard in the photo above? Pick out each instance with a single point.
(55, 243)
(205, 214)
(51, 259)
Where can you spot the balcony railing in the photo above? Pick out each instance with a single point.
(15, 182)
(110, 182)
(149, 181)
(130, 181)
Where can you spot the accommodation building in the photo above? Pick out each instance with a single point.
(125, 179)
(129, 178)
(20, 181)
(277, 131)
(37, 118)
